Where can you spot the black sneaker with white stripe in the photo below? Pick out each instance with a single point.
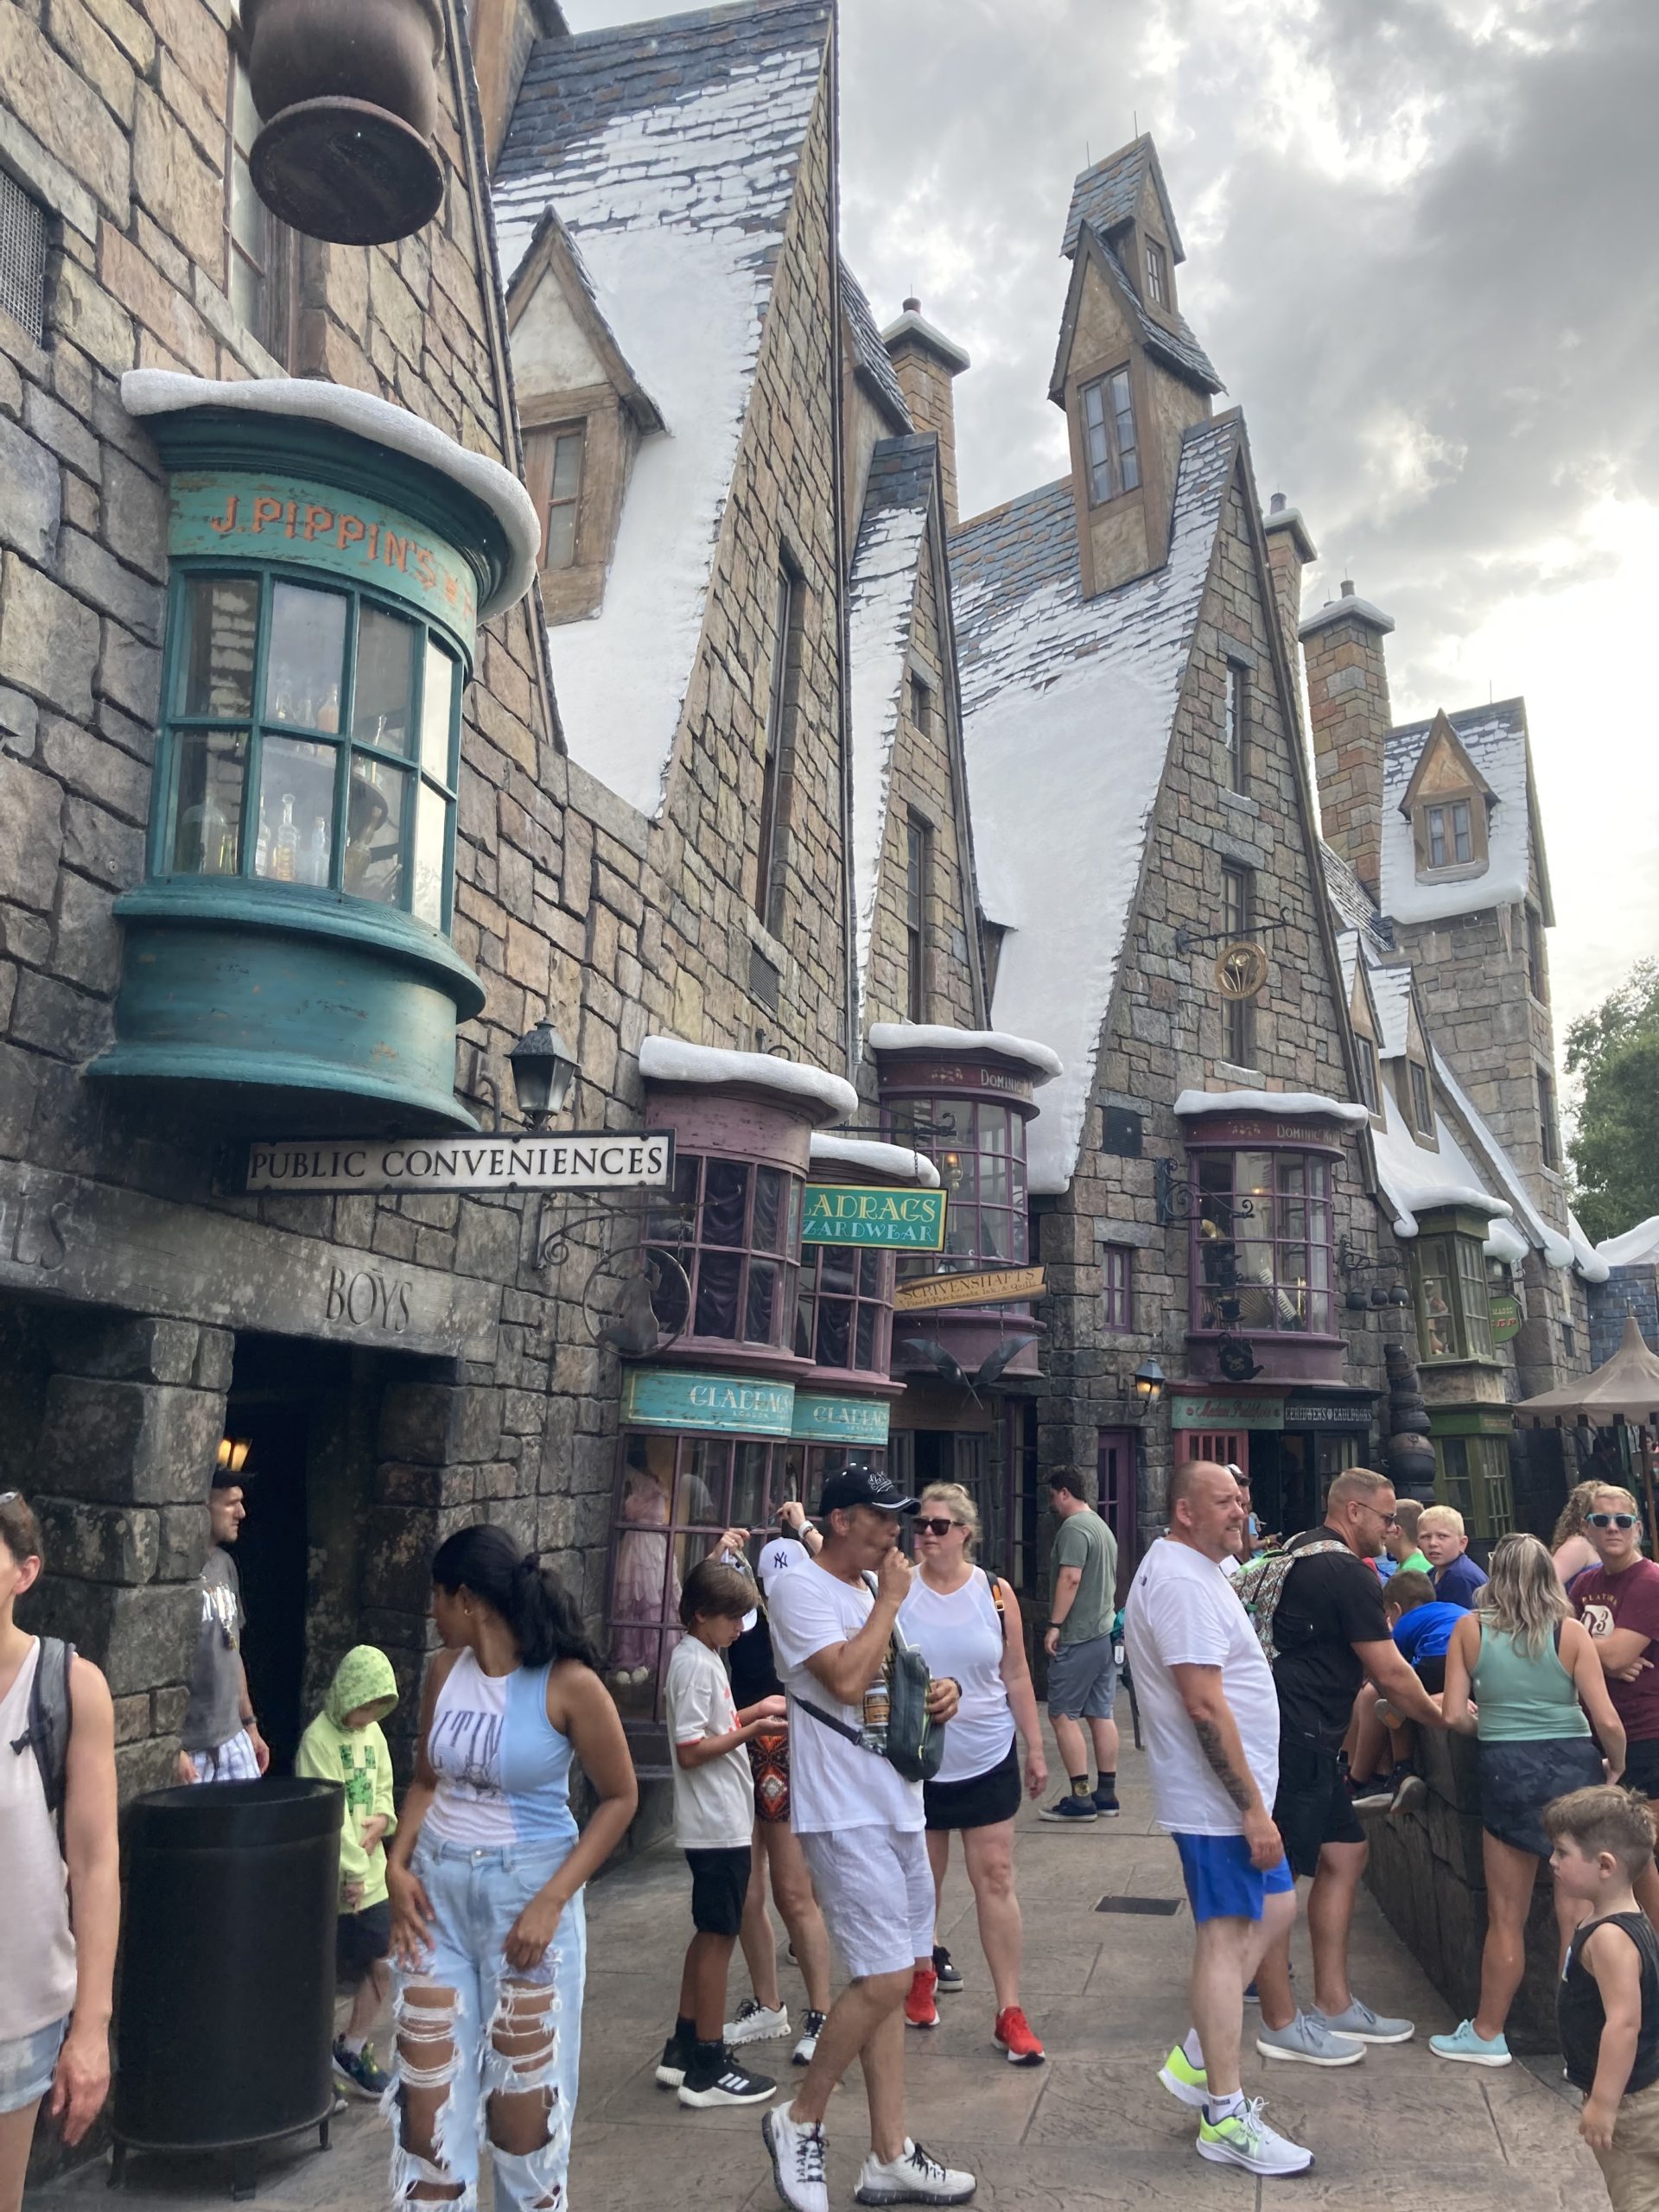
(714, 2077)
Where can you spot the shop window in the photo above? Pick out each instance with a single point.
(917, 1456)
(844, 1316)
(732, 1229)
(1117, 1270)
(1262, 1242)
(1108, 440)
(1454, 1310)
(259, 252)
(310, 738)
(980, 1152)
(553, 470)
(1472, 1474)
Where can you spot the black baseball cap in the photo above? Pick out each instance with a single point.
(862, 1486)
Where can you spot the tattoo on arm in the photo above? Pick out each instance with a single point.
(1215, 1751)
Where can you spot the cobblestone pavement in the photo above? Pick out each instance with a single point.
(1091, 2131)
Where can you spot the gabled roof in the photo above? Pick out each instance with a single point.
(1068, 706)
(870, 356)
(1442, 742)
(1178, 348)
(1494, 739)
(671, 151)
(1351, 903)
(881, 602)
(1109, 194)
(1391, 994)
(552, 251)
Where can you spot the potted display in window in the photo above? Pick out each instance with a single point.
(347, 93)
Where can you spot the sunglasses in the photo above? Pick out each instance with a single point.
(1613, 1520)
(939, 1528)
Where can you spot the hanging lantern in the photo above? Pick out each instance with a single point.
(347, 91)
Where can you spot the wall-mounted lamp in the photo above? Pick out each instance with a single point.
(1148, 1383)
(233, 1453)
(544, 1073)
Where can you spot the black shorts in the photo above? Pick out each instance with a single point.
(360, 1938)
(1517, 1780)
(1313, 1808)
(978, 1800)
(1642, 1768)
(1431, 1673)
(720, 1882)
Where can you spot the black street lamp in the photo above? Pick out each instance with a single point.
(544, 1071)
(1149, 1382)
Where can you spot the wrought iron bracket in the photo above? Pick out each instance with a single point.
(1175, 1199)
(1188, 940)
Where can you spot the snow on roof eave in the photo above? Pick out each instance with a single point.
(1406, 1173)
(164, 392)
(896, 1161)
(672, 1060)
(1557, 1249)
(1311, 1104)
(1634, 1248)
(923, 1037)
(1585, 1258)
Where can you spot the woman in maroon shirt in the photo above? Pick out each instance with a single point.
(1618, 1600)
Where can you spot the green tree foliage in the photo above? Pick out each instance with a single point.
(1614, 1052)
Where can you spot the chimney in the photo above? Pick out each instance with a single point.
(1289, 550)
(1348, 707)
(501, 33)
(926, 363)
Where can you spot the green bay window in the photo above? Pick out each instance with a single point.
(1451, 1288)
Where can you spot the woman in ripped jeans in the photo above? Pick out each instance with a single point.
(485, 1876)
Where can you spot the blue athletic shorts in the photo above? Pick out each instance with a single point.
(1221, 1883)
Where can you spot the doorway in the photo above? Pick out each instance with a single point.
(1120, 1502)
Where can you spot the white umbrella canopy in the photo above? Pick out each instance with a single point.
(1627, 1389)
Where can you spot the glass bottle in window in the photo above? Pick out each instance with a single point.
(285, 849)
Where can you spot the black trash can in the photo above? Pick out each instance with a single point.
(225, 2024)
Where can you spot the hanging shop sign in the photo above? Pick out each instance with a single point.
(851, 1213)
(596, 1160)
(1506, 1318)
(1325, 1413)
(821, 1417)
(682, 1397)
(1222, 1409)
(995, 1287)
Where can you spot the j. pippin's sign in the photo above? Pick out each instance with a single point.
(905, 1220)
(995, 1287)
(584, 1160)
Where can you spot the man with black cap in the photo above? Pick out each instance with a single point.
(219, 1734)
(861, 1826)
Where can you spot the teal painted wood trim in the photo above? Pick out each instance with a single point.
(224, 437)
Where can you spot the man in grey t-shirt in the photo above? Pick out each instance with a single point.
(1082, 1672)
(220, 1736)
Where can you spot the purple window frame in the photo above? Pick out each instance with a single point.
(976, 1144)
(1117, 1281)
(1270, 1226)
(844, 1305)
(744, 1234)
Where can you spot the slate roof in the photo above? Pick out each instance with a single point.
(1179, 347)
(1068, 705)
(871, 355)
(1495, 738)
(1107, 195)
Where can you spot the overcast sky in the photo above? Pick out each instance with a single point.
(1422, 242)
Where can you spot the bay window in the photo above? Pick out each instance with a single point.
(979, 1148)
(1453, 1296)
(731, 1228)
(1262, 1237)
(843, 1319)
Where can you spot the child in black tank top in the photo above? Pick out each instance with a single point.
(1607, 2004)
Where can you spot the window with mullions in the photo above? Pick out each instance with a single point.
(844, 1316)
(1472, 1474)
(1262, 1242)
(1237, 919)
(1454, 1319)
(1109, 437)
(733, 1226)
(1451, 835)
(259, 252)
(980, 1152)
(310, 738)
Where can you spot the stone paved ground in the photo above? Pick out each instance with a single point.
(1091, 2131)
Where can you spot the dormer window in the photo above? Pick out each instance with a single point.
(1422, 1106)
(553, 462)
(1157, 274)
(1451, 835)
(1109, 437)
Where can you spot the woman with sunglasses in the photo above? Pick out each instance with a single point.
(966, 1624)
(1618, 1600)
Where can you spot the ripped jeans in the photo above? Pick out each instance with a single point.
(486, 2052)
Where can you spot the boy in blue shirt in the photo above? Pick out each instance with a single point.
(1457, 1578)
(1421, 1626)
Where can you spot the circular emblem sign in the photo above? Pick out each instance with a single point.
(1242, 971)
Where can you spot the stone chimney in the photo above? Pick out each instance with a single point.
(501, 33)
(926, 363)
(1348, 708)
(1289, 550)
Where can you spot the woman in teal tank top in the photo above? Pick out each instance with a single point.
(1521, 1673)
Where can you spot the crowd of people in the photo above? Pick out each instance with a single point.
(837, 1710)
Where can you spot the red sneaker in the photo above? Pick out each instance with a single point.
(920, 2010)
(1012, 2035)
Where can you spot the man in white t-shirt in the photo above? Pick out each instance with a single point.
(1210, 1717)
(861, 1826)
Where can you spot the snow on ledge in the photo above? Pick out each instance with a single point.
(896, 1161)
(1310, 1102)
(1637, 1248)
(1350, 605)
(671, 1060)
(923, 1037)
(164, 391)
(1585, 1258)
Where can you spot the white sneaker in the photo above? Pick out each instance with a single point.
(811, 2029)
(1244, 2139)
(916, 2177)
(797, 2152)
(756, 2023)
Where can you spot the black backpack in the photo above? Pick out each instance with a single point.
(49, 1715)
(913, 1743)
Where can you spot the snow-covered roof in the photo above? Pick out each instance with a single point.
(934, 1037)
(147, 392)
(1391, 988)
(1495, 738)
(671, 1060)
(1559, 1251)
(870, 355)
(1353, 903)
(880, 598)
(1068, 704)
(1346, 607)
(1590, 1263)
(896, 1161)
(1637, 1248)
(1309, 1105)
(1415, 1179)
(671, 150)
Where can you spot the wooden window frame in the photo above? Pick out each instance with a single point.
(919, 884)
(1117, 1285)
(1236, 728)
(1157, 262)
(1237, 914)
(1419, 1098)
(778, 760)
(276, 276)
(1370, 1080)
(1121, 480)
(541, 470)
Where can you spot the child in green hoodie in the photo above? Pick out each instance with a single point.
(344, 1744)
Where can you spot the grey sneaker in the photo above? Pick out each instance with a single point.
(1309, 2041)
(1361, 2025)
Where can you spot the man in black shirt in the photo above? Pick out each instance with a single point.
(1331, 1635)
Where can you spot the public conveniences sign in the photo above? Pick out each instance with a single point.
(909, 1221)
(585, 1160)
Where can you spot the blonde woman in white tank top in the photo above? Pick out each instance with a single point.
(57, 1934)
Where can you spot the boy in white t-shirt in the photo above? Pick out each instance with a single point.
(1210, 1715)
(714, 1815)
